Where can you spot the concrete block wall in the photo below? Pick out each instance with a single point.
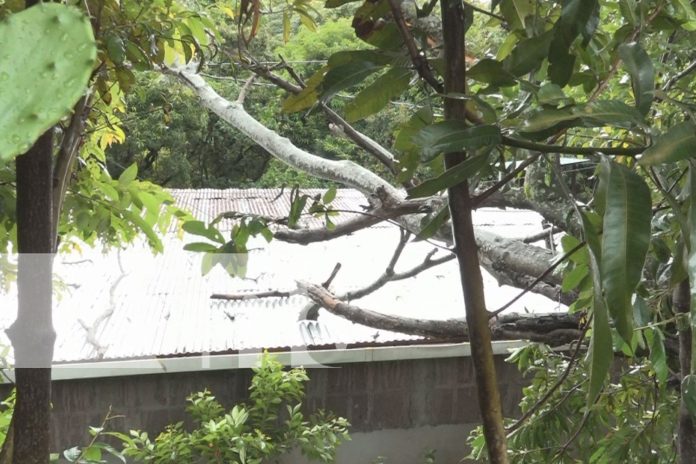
(406, 394)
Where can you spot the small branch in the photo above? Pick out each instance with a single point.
(485, 12)
(674, 79)
(332, 276)
(418, 58)
(245, 89)
(383, 155)
(546, 233)
(251, 295)
(366, 219)
(502, 182)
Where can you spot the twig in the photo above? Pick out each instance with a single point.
(332, 276)
(502, 182)
(541, 235)
(418, 58)
(251, 295)
(674, 79)
(245, 89)
(485, 12)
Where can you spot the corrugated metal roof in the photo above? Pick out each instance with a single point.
(132, 304)
(208, 204)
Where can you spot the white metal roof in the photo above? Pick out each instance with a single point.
(132, 304)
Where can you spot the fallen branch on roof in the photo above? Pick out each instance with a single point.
(364, 220)
(251, 295)
(554, 329)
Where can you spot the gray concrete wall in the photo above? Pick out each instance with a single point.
(396, 408)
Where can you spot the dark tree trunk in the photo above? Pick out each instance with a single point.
(32, 334)
(453, 26)
(687, 428)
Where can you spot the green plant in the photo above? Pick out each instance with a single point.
(269, 425)
(634, 419)
(44, 80)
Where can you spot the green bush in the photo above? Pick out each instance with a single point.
(269, 425)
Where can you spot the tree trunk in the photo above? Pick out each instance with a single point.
(32, 334)
(687, 427)
(453, 26)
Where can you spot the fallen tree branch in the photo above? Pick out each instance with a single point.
(553, 329)
(251, 295)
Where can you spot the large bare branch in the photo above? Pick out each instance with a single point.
(343, 171)
(554, 329)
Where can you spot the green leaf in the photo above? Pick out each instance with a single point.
(129, 174)
(691, 263)
(491, 72)
(676, 144)
(199, 228)
(640, 68)
(329, 195)
(688, 393)
(609, 112)
(432, 223)
(658, 357)
(201, 247)
(337, 3)
(625, 242)
(597, 114)
(308, 96)
(451, 177)
(115, 48)
(453, 136)
(528, 55)
(376, 96)
(345, 76)
(600, 352)
(92, 453)
(48, 54)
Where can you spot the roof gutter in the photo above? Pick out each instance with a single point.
(304, 358)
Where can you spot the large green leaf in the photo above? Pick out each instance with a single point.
(346, 75)
(528, 55)
(48, 54)
(596, 114)
(452, 136)
(376, 96)
(678, 143)
(625, 242)
(691, 262)
(491, 72)
(308, 96)
(610, 112)
(601, 348)
(640, 68)
(453, 176)
(577, 16)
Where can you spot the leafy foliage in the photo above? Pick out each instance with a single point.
(633, 420)
(268, 426)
